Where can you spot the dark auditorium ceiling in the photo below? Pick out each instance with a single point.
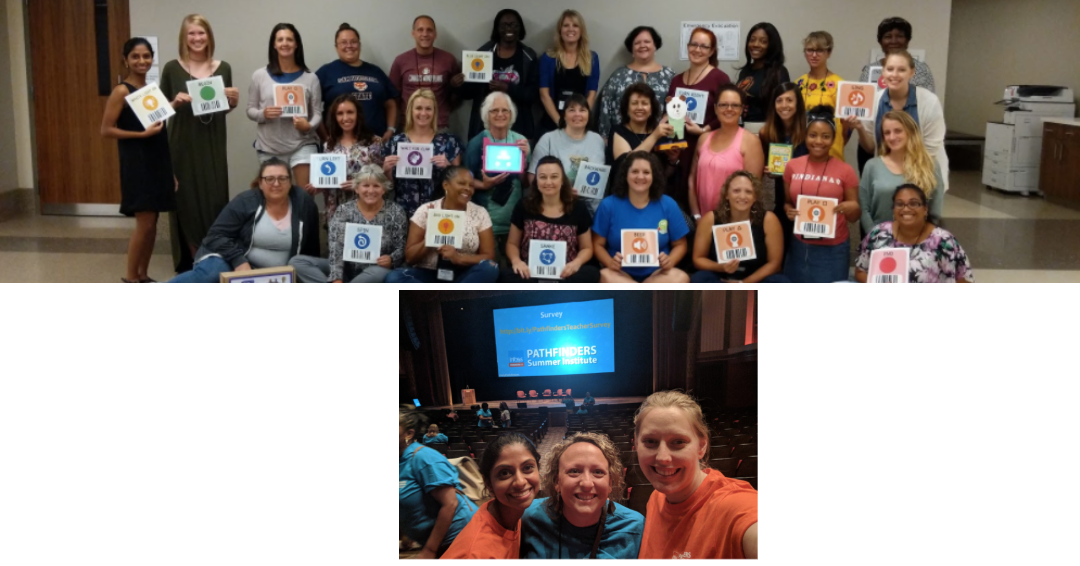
(439, 296)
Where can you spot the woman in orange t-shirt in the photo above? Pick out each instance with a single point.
(510, 466)
(695, 512)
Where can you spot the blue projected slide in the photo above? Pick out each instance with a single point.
(562, 339)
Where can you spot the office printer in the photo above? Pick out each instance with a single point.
(1043, 100)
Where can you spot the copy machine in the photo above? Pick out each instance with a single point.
(1014, 145)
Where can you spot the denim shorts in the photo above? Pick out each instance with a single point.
(302, 155)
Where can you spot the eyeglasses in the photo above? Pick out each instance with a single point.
(729, 106)
(913, 205)
(700, 46)
(271, 180)
(815, 51)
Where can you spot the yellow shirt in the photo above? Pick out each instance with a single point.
(823, 93)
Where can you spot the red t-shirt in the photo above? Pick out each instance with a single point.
(484, 537)
(825, 179)
(412, 71)
(710, 524)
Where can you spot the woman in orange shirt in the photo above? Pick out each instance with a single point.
(511, 469)
(695, 511)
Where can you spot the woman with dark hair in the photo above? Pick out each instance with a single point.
(722, 152)
(362, 81)
(935, 257)
(572, 143)
(347, 134)
(763, 71)
(431, 509)
(552, 212)
(568, 68)
(265, 226)
(582, 517)
(642, 43)
(510, 467)
(147, 184)
(484, 416)
(638, 202)
(504, 414)
(640, 127)
(517, 74)
(786, 126)
(293, 140)
(740, 201)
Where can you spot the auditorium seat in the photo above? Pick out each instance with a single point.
(634, 476)
(490, 437)
(458, 446)
(748, 467)
(741, 439)
(719, 452)
(639, 497)
(623, 446)
(617, 439)
(726, 466)
(442, 448)
(478, 448)
(521, 394)
(532, 393)
(613, 432)
(744, 450)
(456, 454)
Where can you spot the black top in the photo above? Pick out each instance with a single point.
(757, 231)
(631, 138)
(522, 72)
(752, 82)
(146, 172)
(567, 83)
(565, 228)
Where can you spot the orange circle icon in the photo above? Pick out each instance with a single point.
(149, 103)
(640, 245)
(478, 64)
(856, 98)
(446, 225)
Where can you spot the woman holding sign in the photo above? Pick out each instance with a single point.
(740, 202)
(347, 134)
(822, 197)
(640, 127)
(722, 152)
(202, 92)
(819, 86)
(903, 159)
(566, 69)
(470, 258)
(642, 42)
(550, 212)
(516, 73)
(285, 100)
(572, 142)
(783, 137)
(640, 225)
(147, 185)
(935, 256)
(411, 189)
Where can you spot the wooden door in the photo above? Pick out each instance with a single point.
(1069, 168)
(75, 58)
(1048, 165)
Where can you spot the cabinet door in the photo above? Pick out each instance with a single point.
(1048, 167)
(1068, 179)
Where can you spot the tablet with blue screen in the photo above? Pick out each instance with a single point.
(503, 158)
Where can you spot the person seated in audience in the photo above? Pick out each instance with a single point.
(551, 211)
(584, 477)
(638, 202)
(504, 414)
(572, 143)
(740, 201)
(433, 436)
(262, 227)
(510, 467)
(485, 416)
(935, 257)
(641, 128)
(588, 401)
(695, 511)
(452, 415)
(370, 209)
(472, 261)
(430, 509)
(582, 410)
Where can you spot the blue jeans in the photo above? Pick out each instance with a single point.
(208, 270)
(808, 263)
(483, 272)
(714, 277)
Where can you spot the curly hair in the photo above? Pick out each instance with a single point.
(678, 400)
(621, 188)
(723, 207)
(551, 471)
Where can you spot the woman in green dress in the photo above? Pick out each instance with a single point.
(197, 143)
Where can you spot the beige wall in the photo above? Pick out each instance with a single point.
(242, 30)
(8, 156)
(15, 99)
(996, 43)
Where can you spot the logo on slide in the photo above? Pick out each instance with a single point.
(516, 358)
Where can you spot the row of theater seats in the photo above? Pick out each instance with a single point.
(547, 393)
(469, 440)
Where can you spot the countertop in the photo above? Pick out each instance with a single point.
(1061, 120)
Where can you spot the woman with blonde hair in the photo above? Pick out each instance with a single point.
(568, 68)
(197, 143)
(581, 518)
(695, 511)
(421, 113)
(903, 159)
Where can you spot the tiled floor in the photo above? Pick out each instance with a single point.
(1009, 238)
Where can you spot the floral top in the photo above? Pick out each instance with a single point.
(476, 220)
(411, 193)
(937, 259)
(395, 232)
(922, 77)
(611, 95)
(356, 156)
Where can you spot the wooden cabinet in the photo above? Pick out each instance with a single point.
(1059, 172)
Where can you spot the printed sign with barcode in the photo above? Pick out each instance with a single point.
(414, 160)
(640, 259)
(547, 258)
(740, 254)
(889, 265)
(150, 105)
(158, 115)
(814, 228)
(853, 111)
(326, 180)
(292, 110)
(329, 170)
(446, 241)
(357, 255)
(209, 106)
(855, 99)
(207, 96)
(417, 171)
(476, 76)
(544, 271)
(478, 66)
(363, 243)
(887, 279)
(591, 180)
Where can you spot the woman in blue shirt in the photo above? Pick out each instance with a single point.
(485, 416)
(582, 518)
(433, 436)
(366, 83)
(431, 510)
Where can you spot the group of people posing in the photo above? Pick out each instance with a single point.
(678, 184)
(694, 512)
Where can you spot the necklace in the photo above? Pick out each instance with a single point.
(208, 117)
(698, 78)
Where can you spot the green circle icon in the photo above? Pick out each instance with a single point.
(207, 93)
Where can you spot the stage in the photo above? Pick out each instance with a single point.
(537, 402)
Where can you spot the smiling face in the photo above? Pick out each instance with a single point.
(577, 117)
(640, 109)
(893, 40)
(570, 30)
(509, 29)
(740, 194)
(909, 209)
(346, 116)
(277, 190)
(729, 107)
(371, 192)
(196, 38)
(140, 60)
(285, 43)
(424, 33)
(819, 139)
(584, 483)
(892, 131)
(786, 105)
(549, 179)
(700, 49)
(644, 48)
(897, 72)
(758, 45)
(515, 479)
(459, 189)
(669, 451)
(499, 114)
(348, 47)
(423, 112)
(639, 177)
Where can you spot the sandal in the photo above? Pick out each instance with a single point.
(125, 280)
(147, 280)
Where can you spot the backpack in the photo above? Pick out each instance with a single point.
(470, 480)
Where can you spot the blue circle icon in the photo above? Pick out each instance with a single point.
(362, 241)
(328, 168)
(593, 179)
(547, 257)
(691, 103)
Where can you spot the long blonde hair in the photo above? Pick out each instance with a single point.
(677, 400)
(199, 20)
(422, 93)
(584, 56)
(918, 165)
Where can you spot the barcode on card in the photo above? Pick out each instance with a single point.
(291, 110)
(545, 271)
(814, 228)
(326, 181)
(639, 259)
(414, 170)
(476, 76)
(853, 111)
(886, 279)
(212, 105)
(445, 241)
(739, 253)
(360, 255)
(589, 191)
(158, 115)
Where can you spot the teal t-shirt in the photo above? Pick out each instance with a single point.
(540, 535)
(418, 475)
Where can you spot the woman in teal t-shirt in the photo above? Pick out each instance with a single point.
(485, 416)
